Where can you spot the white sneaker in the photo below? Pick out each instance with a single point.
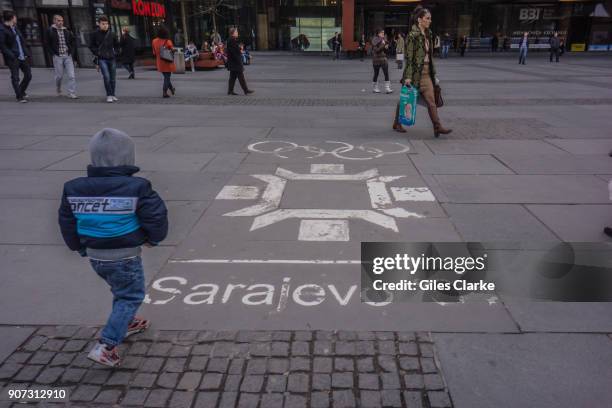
(388, 87)
(73, 96)
(102, 355)
(109, 99)
(376, 89)
(115, 99)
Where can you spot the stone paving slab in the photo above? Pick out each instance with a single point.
(459, 164)
(29, 184)
(18, 142)
(558, 317)
(12, 337)
(492, 147)
(540, 189)
(527, 163)
(27, 160)
(581, 223)
(547, 370)
(65, 287)
(584, 146)
(189, 162)
(497, 222)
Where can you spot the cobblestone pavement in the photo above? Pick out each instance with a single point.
(264, 369)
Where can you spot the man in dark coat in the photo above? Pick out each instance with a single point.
(555, 47)
(128, 51)
(234, 64)
(16, 54)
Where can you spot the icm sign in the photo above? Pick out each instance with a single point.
(149, 9)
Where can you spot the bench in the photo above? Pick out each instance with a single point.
(206, 60)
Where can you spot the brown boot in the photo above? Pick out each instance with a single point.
(441, 130)
(398, 127)
(435, 119)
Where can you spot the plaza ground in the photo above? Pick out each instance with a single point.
(270, 196)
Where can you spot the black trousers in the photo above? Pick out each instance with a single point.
(20, 88)
(167, 83)
(556, 52)
(385, 69)
(129, 66)
(232, 81)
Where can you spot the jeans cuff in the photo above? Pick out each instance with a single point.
(108, 342)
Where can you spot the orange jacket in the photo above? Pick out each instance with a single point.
(162, 65)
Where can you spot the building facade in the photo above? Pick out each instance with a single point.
(307, 25)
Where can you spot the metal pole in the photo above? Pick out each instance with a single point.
(183, 15)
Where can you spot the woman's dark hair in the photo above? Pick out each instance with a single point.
(419, 12)
(162, 32)
(379, 30)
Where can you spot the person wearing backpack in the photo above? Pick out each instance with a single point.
(163, 49)
(104, 45)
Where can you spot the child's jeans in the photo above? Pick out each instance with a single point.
(126, 280)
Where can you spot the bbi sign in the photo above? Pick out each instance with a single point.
(149, 9)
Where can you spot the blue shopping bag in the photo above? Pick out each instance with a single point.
(408, 104)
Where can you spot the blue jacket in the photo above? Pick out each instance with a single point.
(110, 209)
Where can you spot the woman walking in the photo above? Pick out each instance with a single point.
(128, 51)
(420, 71)
(380, 47)
(161, 45)
(399, 50)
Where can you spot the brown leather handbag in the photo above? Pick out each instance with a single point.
(438, 96)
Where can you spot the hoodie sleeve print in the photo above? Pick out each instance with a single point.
(153, 215)
(68, 225)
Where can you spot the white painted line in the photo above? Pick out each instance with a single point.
(289, 175)
(379, 196)
(238, 193)
(412, 194)
(270, 199)
(371, 216)
(399, 212)
(327, 168)
(324, 230)
(269, 261)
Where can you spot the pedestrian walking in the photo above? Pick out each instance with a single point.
(495, 43)
(163, 50)
(446, 44)
(420, 71)
(104, 45)
(555, 47)
(61, 45)
(463, 43)
(399, 50)
(437, 45)
(335, 42)
(16, 54)
(234, 64)
(362, 47)
(380, 47)
(128, 52)
(108, 216)
(523, 47)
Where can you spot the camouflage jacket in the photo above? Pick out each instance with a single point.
(414, 56)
